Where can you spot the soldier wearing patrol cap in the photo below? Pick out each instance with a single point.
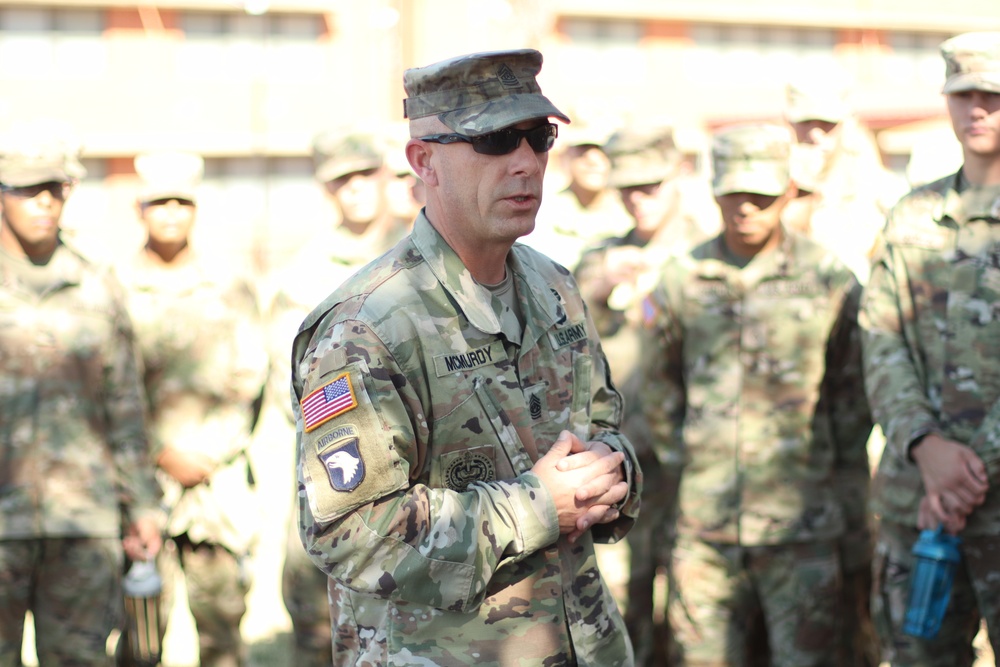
(751, 352)
(203, 350)
(930, 368)
(613, 275)
(74, 440)
(457, 431)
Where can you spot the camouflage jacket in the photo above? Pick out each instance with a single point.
(72, 427)
(931, 337)
(419, 420)
(754, 384)
(202, 345)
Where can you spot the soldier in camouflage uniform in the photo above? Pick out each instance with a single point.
(352, 170)
(754, 377)
(75, 461)
(613, 275)
(458, 442)
(588, 210)
(203, 348)
(931, 336)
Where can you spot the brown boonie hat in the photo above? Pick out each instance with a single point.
(39, 152)
(479, 93)
(641, 155)
(338, 153)
(169, 175)
(972, 62)
(751, 158)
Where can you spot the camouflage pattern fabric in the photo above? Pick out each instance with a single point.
(73, 427)
(72, 586)
(975, 594)
(203, 347)
(930, 342)
(757, 390)
(331, 262)
(422, 420)
(930, 359)
(720, 588)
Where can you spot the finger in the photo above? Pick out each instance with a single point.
(577, 461)
(594, 515)
(956, 503)
(598, 486)
(937, 509)
(610, 491)
(560, 448)
(977, 475)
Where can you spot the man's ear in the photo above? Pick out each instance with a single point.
(418, 154)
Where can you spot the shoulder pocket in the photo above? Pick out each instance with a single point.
(346, 455)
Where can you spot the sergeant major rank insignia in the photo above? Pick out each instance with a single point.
(341, 457)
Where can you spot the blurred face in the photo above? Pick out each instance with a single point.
(359, 195)
(751, 221)
(975, 118)
(31, 216)
(649, 205)
(588, 167)
(168, 221)
(486, 199)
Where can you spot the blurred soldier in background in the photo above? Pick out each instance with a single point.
(352, 169)
(752, 353)
(931, 334)
(404, 191)
(844, 190)
(612, 277)
(76, 467)
(587, 210)
(202, 345)
(843, 194)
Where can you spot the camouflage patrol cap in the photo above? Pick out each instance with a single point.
(816, 97)
(751, 158)
(169, 175)
(338, 153)
(972, 62)
(37, 152)
(479, 93)
(641, 155)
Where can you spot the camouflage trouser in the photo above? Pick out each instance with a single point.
(975, 594)
(720, 589)
(72, 586)
(304, 590)
(216, 584)
(651, 542)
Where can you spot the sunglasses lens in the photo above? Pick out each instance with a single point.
(506, 141)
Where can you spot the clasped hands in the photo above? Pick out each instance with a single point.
(586, 481)
(955, 481)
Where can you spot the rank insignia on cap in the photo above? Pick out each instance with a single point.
(344, 465)
(331, 400)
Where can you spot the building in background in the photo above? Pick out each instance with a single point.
(248, 84)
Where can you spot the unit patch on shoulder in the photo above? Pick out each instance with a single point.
(331, 400)
(342, 458)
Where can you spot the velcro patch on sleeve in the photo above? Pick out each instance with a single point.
(331, 400)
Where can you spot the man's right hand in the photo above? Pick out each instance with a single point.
(600, 478)
(954, 478)
(188, 468)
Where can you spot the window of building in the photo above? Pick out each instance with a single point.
(915, 57)
(606, 51)
(60, 43)
(744, 53)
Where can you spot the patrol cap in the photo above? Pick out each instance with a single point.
(972, 62)
(38, 152)
(169, 175)
(816, 98)
(751, 158)
(338, 153)
(479, 93)
(641, 155)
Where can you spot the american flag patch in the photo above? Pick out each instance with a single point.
(332, 399)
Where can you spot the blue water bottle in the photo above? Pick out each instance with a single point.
(937, 557)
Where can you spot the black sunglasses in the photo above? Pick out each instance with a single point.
(59, 190)
(503, 141)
